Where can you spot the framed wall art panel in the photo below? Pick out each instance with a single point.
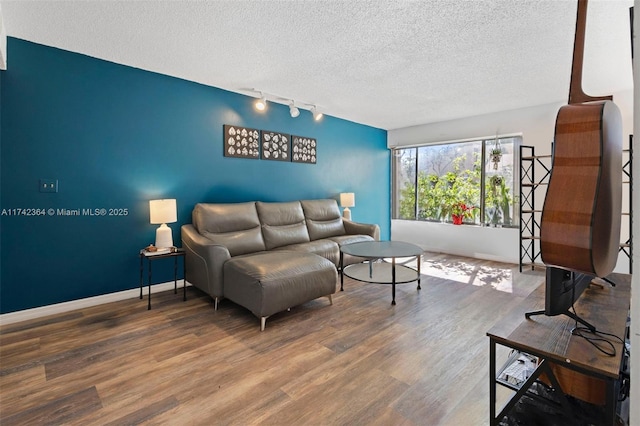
(304, 149)
(276, 146)
(241, 142)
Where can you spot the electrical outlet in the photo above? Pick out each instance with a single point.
(48, 185)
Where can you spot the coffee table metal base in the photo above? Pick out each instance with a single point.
(383, 266)
(381, 272)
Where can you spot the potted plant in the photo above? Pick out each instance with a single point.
(496, 156)
(496, 181)
(460, 211)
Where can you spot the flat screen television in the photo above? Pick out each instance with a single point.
(562, 289)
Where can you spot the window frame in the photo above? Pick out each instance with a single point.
(515, 140)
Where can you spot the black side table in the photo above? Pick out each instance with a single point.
(150, 256)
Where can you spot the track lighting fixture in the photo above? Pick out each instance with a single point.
(293, 110)
(316, 114)
(261, 104)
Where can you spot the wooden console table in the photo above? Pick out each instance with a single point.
(550, 339)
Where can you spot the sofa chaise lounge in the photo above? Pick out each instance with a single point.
(269, 257)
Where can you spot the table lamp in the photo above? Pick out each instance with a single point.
(347, 199)
(163, 212)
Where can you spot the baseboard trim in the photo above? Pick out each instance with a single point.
(58, 308)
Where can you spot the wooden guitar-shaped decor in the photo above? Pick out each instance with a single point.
(580, 224)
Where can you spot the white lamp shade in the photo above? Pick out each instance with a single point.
(347, 199)
(163, 211)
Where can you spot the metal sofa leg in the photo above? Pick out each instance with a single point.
(215, 303)
(263, 322)
(330, 299)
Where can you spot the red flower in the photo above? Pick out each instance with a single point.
(461, 209)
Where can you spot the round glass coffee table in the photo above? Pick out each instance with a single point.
(386, 271)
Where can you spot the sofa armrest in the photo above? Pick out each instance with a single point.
(353, 228)
(204, 261)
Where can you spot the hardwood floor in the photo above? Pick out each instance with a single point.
(360, 361)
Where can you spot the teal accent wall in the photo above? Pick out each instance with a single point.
(115, 137)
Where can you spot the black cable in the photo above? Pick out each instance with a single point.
(600, 343)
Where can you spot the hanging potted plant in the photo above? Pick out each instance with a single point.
(496, 181)
(496, 156)
(496, 153)
(451, 178)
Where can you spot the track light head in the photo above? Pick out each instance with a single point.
(261, 104)
(316, 114)
(293, 110)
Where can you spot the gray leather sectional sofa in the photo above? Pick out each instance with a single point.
(269, 257)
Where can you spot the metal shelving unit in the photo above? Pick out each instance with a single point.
(627, 173)
(534, 178)
(535, 171)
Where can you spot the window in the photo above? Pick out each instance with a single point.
(468, 181)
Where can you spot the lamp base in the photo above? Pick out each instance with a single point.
(164, 238)
(346, 214)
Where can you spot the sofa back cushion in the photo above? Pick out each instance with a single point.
(282, 224)
(235, 226)
(323, 218)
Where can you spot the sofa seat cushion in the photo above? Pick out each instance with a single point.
(325, 248)
(270, 282)
(350, 239)
(347, 259)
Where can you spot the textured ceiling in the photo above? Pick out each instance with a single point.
(388, 64)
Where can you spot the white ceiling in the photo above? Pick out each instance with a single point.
(388, 64)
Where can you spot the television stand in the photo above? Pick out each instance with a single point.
(551, 341)
(570, 314)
